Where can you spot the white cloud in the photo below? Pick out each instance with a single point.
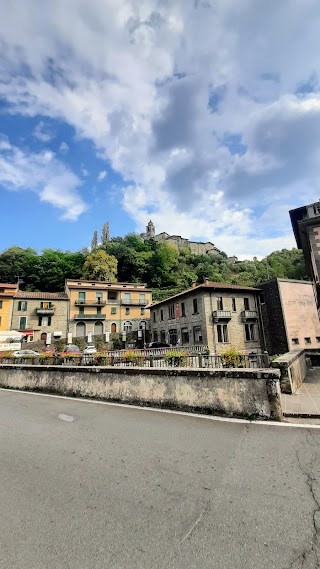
(84, 171)
(42, 133)
(180, 102)
(43, 174)
(102, 175)
(63, 148)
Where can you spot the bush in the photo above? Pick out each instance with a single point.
(102, 359)
(133, 357)
(232, 358)
(177, 359)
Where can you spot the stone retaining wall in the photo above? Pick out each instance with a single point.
(243, 392)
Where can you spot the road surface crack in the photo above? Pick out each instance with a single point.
(195, 524)
(311, 553)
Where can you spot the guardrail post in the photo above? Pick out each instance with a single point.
(200, 360)
(274, 396)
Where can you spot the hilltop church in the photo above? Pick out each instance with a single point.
(195, 247)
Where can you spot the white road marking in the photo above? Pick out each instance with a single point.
(67, 418)
(265, 423)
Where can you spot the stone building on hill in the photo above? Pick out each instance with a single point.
(195, 247)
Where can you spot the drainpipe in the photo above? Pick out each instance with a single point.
(211, 320)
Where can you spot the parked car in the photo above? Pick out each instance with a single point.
(71, 349)
(22, 353)
(157, 345)
(90, 349)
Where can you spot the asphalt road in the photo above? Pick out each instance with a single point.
(88, 486)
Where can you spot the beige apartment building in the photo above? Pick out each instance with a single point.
(216, 315)
(289, 315)
(103, 307)
(37, 314)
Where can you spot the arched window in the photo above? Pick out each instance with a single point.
(98, 328)
(127, 326)
(143, 325)
(80, 330)
(113, 328)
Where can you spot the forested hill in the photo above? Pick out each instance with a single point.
(159, 265)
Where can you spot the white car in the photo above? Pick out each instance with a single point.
(90, 350)
(23, 353)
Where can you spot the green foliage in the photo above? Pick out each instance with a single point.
(99, 266)
(232, 358)
(176, 359)
(159, 265)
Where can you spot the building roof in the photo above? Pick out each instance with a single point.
(211, 285)
(6, 285)
(72, 283)
(42, 295)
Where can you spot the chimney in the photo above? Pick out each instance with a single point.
(206, 281)
(194, 284)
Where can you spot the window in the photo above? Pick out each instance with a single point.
(261, 298)
(99, 297)
(113, 310)
(22, 322)
(81, 297)
(162, 336)
(195, 306)
(222, 331)
(0, 303)
(22, 305)
(197, 334)
(81, 310)
(142, 298)
(318, 338)
(171, 311)
(127, 326)
(98, 309)
(183, 309)
(219, 303)
(127, 298)
(44, 321)
(127, 311)
(161, 314)
(234, 305)
(246, 304)
(296, 341)
(249, 331)
(155, 336)
(185, 335)
(307, 340)
(154, 316)
(142, 311)
(173, 337)
(112, 296)
(46, 304)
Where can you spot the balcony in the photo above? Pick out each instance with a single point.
(90, 317)
(221, 315)
(249, 315)
(90, 303)
(134, 302)
(45, 311)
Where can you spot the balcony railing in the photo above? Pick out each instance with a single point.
(90, 303)
(134, 302)
(221, 315)
(249, 315)
(45, 311)
(90, 317)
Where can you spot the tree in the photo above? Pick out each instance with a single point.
(105, 236)
(94, 242)
(99, 266)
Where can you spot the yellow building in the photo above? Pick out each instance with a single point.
(7, 292)
(98, 307)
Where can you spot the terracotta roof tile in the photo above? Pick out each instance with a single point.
(42, 295)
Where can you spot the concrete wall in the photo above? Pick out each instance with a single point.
(293, 368)
(240, 392)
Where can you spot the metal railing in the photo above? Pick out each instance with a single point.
(143, 360)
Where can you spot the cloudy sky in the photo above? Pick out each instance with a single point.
(203, 115)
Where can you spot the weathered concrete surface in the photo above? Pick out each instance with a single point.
(293, 368)
(91, 486)
(231, 391)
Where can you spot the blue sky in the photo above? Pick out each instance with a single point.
(204, 116)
